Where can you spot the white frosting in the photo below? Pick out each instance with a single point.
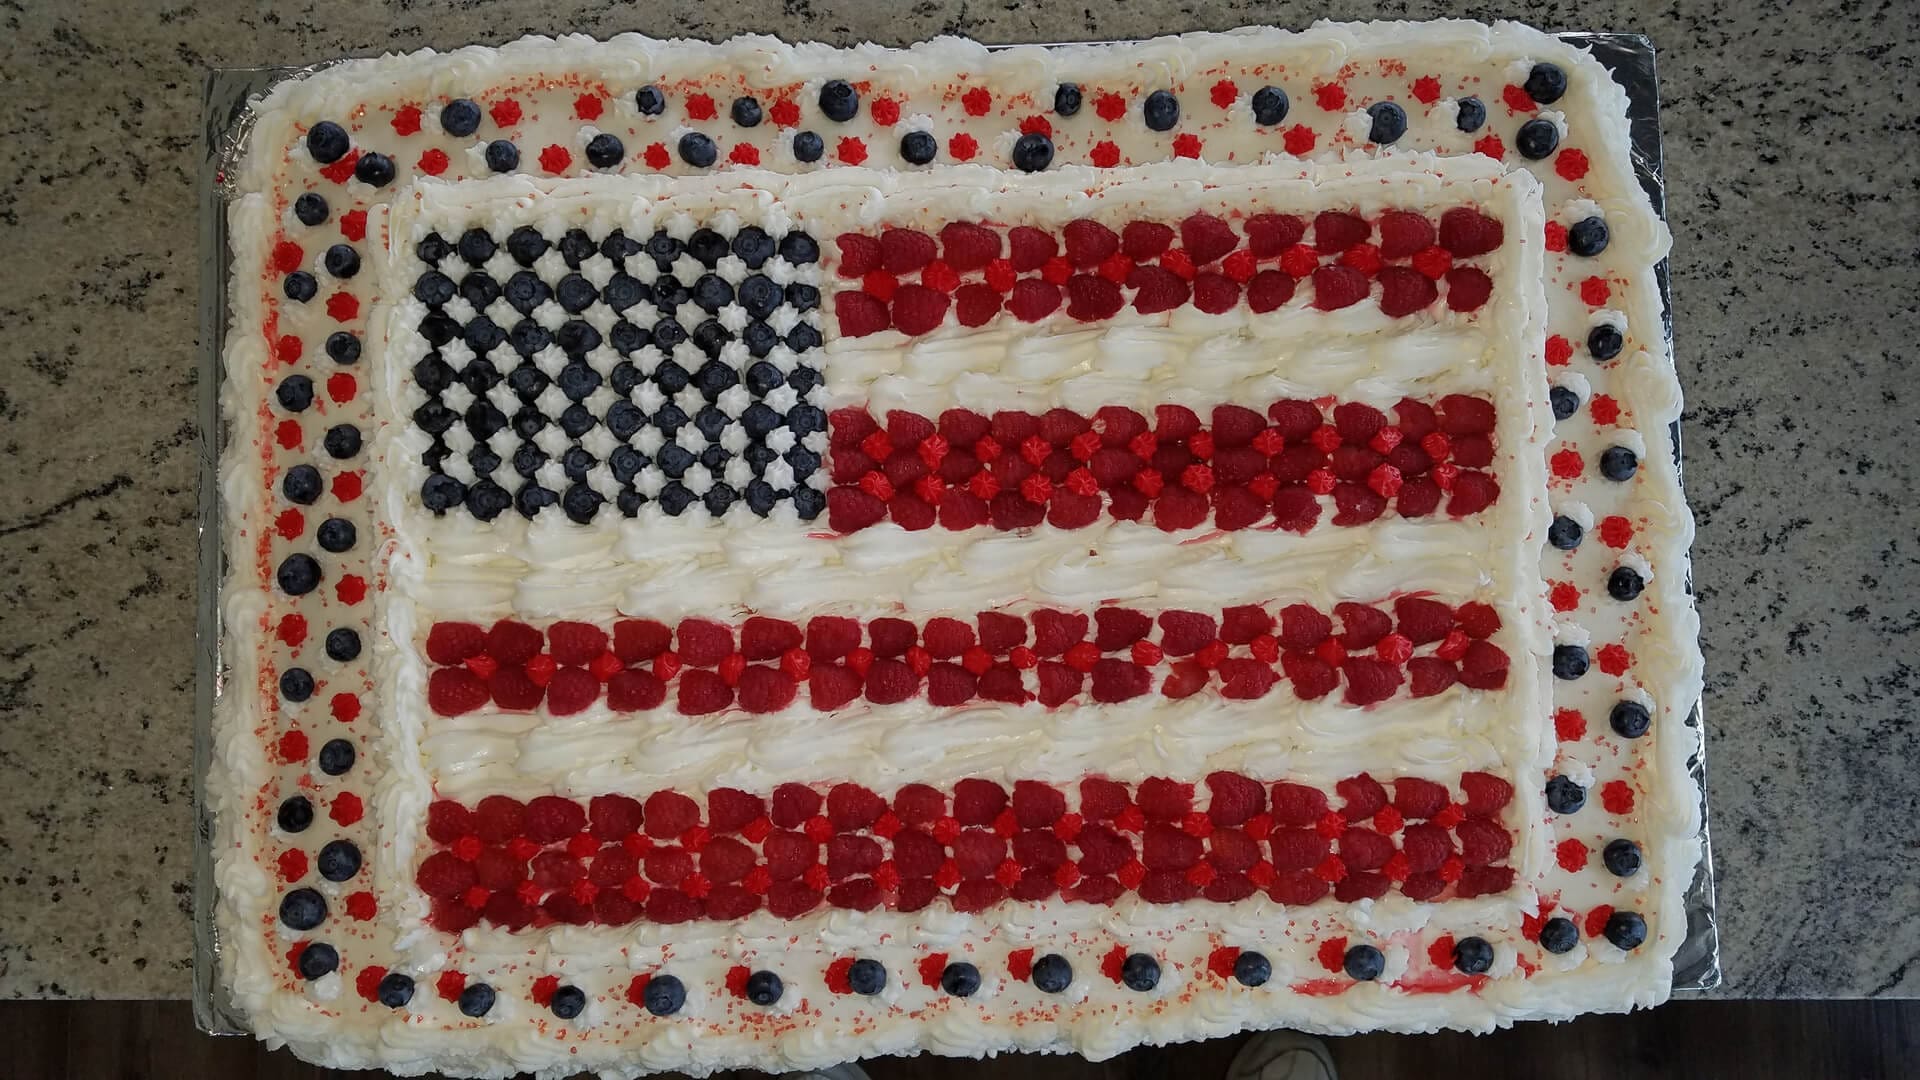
(418, 577)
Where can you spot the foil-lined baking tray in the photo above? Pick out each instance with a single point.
(227, 117)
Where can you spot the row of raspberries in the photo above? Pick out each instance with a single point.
(1114, 654)
(1013, 470)
(617, 859)
(908, 279)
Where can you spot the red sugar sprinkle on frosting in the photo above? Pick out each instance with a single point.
(1559, 350)
(1565, 596)
(886, 112)
(1298, 140)
(287, 256)
(343, 307)
(784, 113)
(1332, 954)
(293, 747)
(1614, 659)
(434, 162)
(1571, 854)
(851, 150)
(1104, 154)
(1571, 165)
(656, 156)
(1604, 409)
(1186, 145)
(1616, 531)
(1596, 920)
(293, 630)
(290, 524)
(346, 708)
(1224, 93)
(361, 906)
(963, 147)
(588, 106)
(1569, 725)
(700, 106)
(353, 224)
(977, 101)
(1331, 97)
(1490, 146)
(1617, 797)
(1595, 292)
(555, 158)
(744, 154)
(1567, 464)
(407, 120)
(1556, 236)
(1426, 89)
(1111, 107)
(505, 112)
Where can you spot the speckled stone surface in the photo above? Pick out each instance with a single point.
(1794, 168)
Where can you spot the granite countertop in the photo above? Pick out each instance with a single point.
(1794, 174)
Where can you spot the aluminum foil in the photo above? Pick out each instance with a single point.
(227, 118)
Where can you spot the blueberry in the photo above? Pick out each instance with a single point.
(476, 246)
(300, 286)
(295, 393)
(1565, 402)
(1472, 114)
(336, 535)
(1365, 963)
(753, 245)
(336, 757)
(806, 419)
(327, 142)
(526, 245)
(303, 909)
(712, 293)
(625, 420)
(759, 338)
(664, 995)
(763, 379)
(1624, 583)
(808, 503)
(618, 246)
(670, 377)
(1559, 935)
(575, 294)
(1630, 719)
(568, 1001)
(808, 147)
(1269, 106)
(919, 147)
(433, 288)
(578, 461)
(803, 337)
(1032, 152)
(461, 117)
(1565, 796)
(343, 644)
(296, 684)
(318, 960)
(533, 498)
(442, 493)
(338, 861)
(1569, 661)
(838, 100)
(342, 441)
(867, 976)
(342, 347)
(1588, 236)
(502, 156)
(799, 248)
(697, 150)
(476, 1000)
(1162, 110)
(960, 979)
(668, 293)
(746, 111)
(626, 463)
(483, 419)
(626, 340)
(669, 418)
(759, 295)
(760, 456)
(528, 337)
(1626, 929)
(650, 101)
(1617, 463)
(395, 990)
(764, 988)
(1140, 972)
(708, 247)
(298, 575)
(710, 337)
(802, 296)
(342, 261)
(488, 500)
(296, 813)
(580, 504)
(759, 420)
(1622, 857)
(760, 497)
(1564, 533)
(525, 291)
(1537, 139)
(479, 289)
(374, 170)
(481, 334)
(604, 151)
(1546, 83)
(1389, 122)
(1472, 956)
(1252, 969)
(434, 418)
(1052, 973)
(577, 420)
(1605, 341)
(675, 498)
(803, 378)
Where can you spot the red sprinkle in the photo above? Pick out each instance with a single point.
(346, 708)
(977, 101)
(290, 524)
(852, 151)
(293, 629)
(1104, 154)
(1426, 89)
(505, 112)
(1299, 139)
(346, 808)
(293, 747)
(1331, 96)
(744, 154)
(1571, 165)
(657, 156)
(1565, 596)
(288, 434)
(434, 162)
(1569, 725)
(1595, 292)
(351, 590)
(1186, 145)
(1603, 409)
(1567, 464)
(1556, 236)
(963, 147)
(1617, 797)
(1111, 107)
(407, 120)
(1571, 855)
(1490, 146)
(1616, 532)
(288, 349)
(1224, 93)
(784, 113)
(293, 864)
(588, 106)
(1559, 350)
(700, 106)
(343, 307)
(886, 112)
(1518, 99)
(555, 158)
(1614, 659)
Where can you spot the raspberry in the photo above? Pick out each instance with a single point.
(1405, 291)
(1364, 849)
(1058, 683)
(669, 813)
(1334, 232)
(1420, 620)
(702, 692)
(1102, 800)
(1234, 798)
(1484, 667)
(575, 643)
(571, 690)
(1090, 298)
(1033, 300)
(1298, 849)
(1361, 625)
(1167, 848)
(849, 509)
(766, 689)
(890, 681)
(1336, 287)
(1142, 240)
(1356, 504)
(1156, 290)
(1029, 248)
(1215, 294)
(891, 637)
(1419, 799)
(1206, 238)
(1000, 632)
(1430, 675)
(1468, 288)
(860, 314)
(1473, 491)
(453, 642)
(1297, 804)
(1057, 631)
(511, 642)
(918, 309)
(1037, 805)
(967, 246)
(455, 691)
(762, 638)
(1363, 797)
(850, 806)
(902, 251)
(1482, 842)
(1486, 794)
(1404, 233)
(976, 305)
(1370, 681)
(1118, 680)
(977, 853)
(1089, 242)
(1183, 633)
(830, 637)
(1118, 628)
(443, 876)
(1465, 232)
(859, 255)
(1102, 850)
(1161, 799)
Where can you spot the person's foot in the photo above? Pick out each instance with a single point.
(849, 1071)
(1283, 1055)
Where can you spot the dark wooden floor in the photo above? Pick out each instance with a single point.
(1697, 1040)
